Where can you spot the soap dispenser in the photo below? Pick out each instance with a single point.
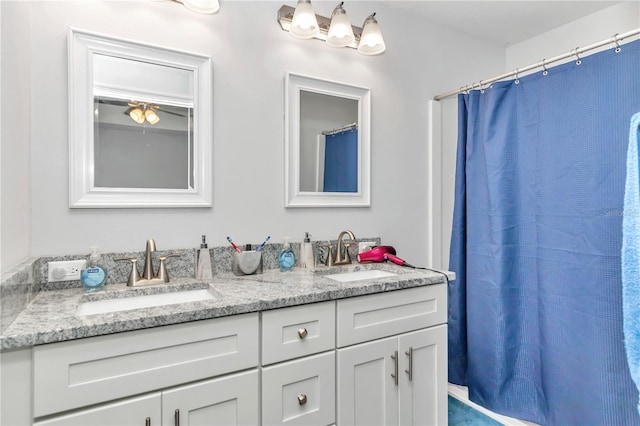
(307, 256)
(286, 257)
(203, 269)
(94, 275)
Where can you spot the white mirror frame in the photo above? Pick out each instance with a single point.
(82, 192)
(296, 83)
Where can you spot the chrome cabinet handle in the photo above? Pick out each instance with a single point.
(394, 357)
(302, 399)
(176, 417)
(302, 332)
(409, 353)
(147, 421)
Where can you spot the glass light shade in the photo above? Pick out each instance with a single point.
(151, 116)
(304, 24)
(137, 115)
(340, 31)
(371, 41)
(202, 6)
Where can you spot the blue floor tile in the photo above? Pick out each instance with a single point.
(461, 414)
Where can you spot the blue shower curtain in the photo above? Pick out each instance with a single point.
(535, 315)
(341, 153)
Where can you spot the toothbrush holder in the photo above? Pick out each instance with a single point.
(247, 263)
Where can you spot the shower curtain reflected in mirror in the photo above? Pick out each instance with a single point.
(535, 315)
(341, 161)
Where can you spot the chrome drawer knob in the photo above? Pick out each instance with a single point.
(302, 399)
(302, 332)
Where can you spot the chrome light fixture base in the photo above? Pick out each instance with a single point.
(285, 16)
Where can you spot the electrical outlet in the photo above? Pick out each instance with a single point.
(67, 270)
(365, 246)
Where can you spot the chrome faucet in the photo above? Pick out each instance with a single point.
(342, 249)
(148, 276)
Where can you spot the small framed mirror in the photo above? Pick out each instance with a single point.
(140, 132)
(327, 143)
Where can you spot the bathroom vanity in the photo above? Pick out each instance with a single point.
(278, 348)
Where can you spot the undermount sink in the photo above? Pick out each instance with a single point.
(144, 301)
(367, 274)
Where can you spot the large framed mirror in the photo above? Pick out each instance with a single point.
(327, 143)
(140, 124)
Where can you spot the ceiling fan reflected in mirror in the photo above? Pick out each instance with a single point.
(141, 111)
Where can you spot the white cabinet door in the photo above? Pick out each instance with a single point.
(367, 392)
(129, 412)
(423, 377)
(230, 400)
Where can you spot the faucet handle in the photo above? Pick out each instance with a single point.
(134, 276)
(346, 249)
(344, 258)
(162, 270)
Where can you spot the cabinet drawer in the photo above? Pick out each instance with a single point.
(132, 411)
(300, 392)
(87, 371)
(365, 318)
(297, 331)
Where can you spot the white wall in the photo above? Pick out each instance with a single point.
(593, 28)
(251, 55)
(15, 213)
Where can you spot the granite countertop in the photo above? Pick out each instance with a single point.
(51, 316)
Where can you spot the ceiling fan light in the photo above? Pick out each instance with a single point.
(151, 116)
(137, 115)
(202, 6)
(340, 31)
(304, 24)
(371, 41)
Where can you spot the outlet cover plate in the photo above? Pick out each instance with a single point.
(365, 246)
(66, 270)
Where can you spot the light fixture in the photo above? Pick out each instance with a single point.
(335, 31)
(151, 116)
(139, 112)
(137, 115)
(200, 6)
(304, 23)
(371, 41)
(340, 32)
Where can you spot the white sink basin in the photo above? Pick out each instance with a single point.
(139, 302)
(366, 274)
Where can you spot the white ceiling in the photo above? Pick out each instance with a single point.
(504, 22)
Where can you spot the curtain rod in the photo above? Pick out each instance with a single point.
(340, 129)
(542, 64)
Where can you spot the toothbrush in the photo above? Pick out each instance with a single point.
(235, 247)
(261, 246)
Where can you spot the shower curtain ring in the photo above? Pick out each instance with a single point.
(517, 80)
(544, 68)
(615, 40)
(575, 52)
(481, 88)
